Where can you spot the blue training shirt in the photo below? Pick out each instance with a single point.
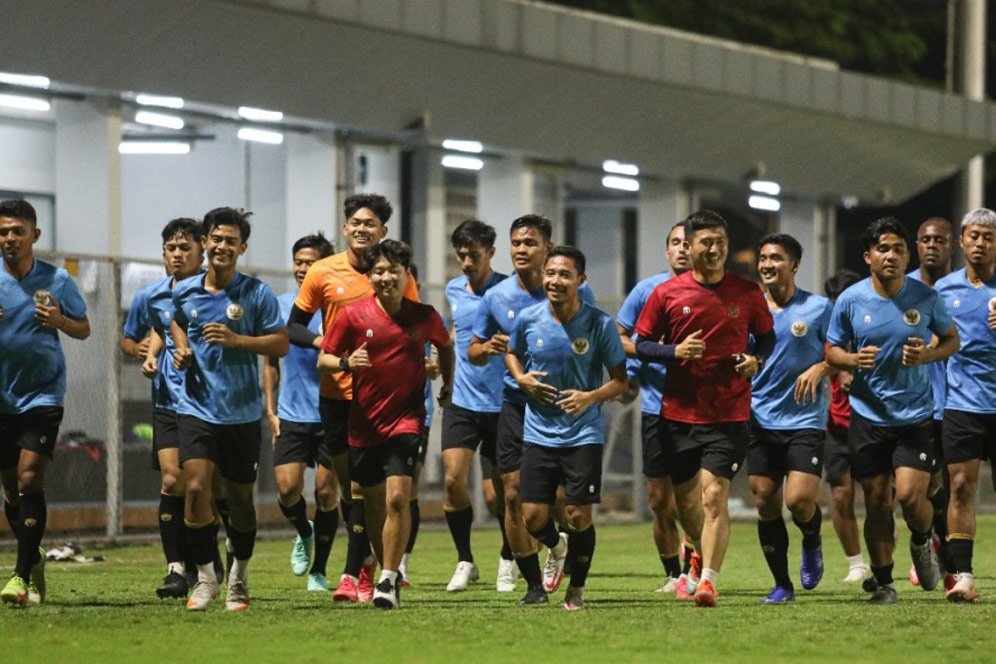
(298, 400)
(574, 355)
(890, 394)
(32, 366)
(478, 389)
(971, 374)
(936, 370)
(221, 385)
(168, 382)
(800, 337)
(497, 311)
(650, 374)
(137, 323)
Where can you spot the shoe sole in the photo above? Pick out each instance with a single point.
(235, 608)
(505, 589)
(382, 603)
(17, 601)
(705, 600)
(959, 597)
(163, 593)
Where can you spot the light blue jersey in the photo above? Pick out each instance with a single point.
(298, 401)
(221, 385)
(137, 323)
(497, 311)
(936, 370)
(891, 394)
(168, 382)
(32, 366)
(800, 337)
(650, 374)
(477, 389)
(971, 375)
(573, 354)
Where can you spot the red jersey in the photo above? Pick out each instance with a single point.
(389, 396)
(707, 390)
(840, 407)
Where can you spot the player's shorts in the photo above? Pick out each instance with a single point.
(468, 429)
(655, 458)
(233, 448)
(969, 436)
(775, 453)
(719, 448)
(335, 424)
(369, 466)
(837, 456)
(487, 467)
(34, 430)
(508, 450)
(879, 450)
(543, 469)
(301, 442)
(939, 444)
(165, 434)
(423, 446)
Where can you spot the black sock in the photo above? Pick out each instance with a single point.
(221, 504)
(459, 523)
(33, 516)
(171, 527)
(939, 501)
(883, 574)
(506, 548)
(774, 539)
(243, 543)
(202, 544)
(811, 538)
(297, 514)
(13, 517)
(580, 550)
(960, 554)
(359, 542)
(529, 569)
(326, 523)
(345, 506)
(672, 566)
(548, 535)
(416, 522)
(687, 552)
(919, 539)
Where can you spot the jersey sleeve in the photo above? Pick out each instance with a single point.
(613, 354)
(824, 324)
(517, 339)
(485, 325)
(940, 317)
(630, 309)
(309, 297)
(137, 323)
(762, 321)
(438, 335)
(586, 294)
(651, 323)
(840, 333)
(268, 310)
(338, 338)
(71, 301)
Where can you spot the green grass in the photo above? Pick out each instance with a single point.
(107, 612)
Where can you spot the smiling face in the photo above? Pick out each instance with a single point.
(933, 244)
(677, 250)
(979, 245)
(708, 249)
(889, 257)
(528, 249)
(364, 229)
(388, 280)
(775, 266)
(17, 238)
(223, 245)
(183, 256)
(303, 259)
(561, 280)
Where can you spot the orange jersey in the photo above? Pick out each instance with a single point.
(330, 285)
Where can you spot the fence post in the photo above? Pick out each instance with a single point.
(112, 446)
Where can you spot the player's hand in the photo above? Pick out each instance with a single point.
(807, 386)
(691, 347)
(746, 365)
(913, 352)
(631, 392)
(359, 357)
(274, 427)
(444, 396)
(432, 369)
(49, 313)
(221, 334)
(534, 389)
(991, 319)
(142, 348)
(575, 402)
(865, 357)
(182, 357)
(150, 367)
(845, 378)
(496, 345)
(1, 312)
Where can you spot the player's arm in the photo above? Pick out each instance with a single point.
(49, 314)
(575, 402)
(271, 379)
(133, 348)
(915, 352)
(807, 385)
(182, 354)
(150, 361)
(447, 365)
(842, 359)
(272, 344)
(298, 332)
(529, 381)
(482, 350)
(690, 348)
(626, 337)
(332, 363)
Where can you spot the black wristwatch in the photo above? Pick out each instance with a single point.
(344, 364)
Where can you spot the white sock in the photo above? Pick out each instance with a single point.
(205, 573)
(240, 570)
(404, 561)
(178, 568)
(709, 574)
(968, 576)
(389, 575)
(856, 561)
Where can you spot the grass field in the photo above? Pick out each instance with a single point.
(107, 612)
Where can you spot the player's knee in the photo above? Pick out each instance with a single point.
(513, 503)
(801, 507)
(172, 483)
(397, 500)
(963, 488)
(909, 496)
(325, 496)
(578, 520)
(714, 497)
(455, 487)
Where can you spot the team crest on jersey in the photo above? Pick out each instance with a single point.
(235, 311)
(956, 304)
(340, 291)
(370, 333)
(511, 314)
(580, 346)
(413, 334)
(733, 310)
(539, 343)
(43, 297)
(911, 317)
(686, 310)
(799, 328)
(992, 304)
(166, 316)
(867, 318)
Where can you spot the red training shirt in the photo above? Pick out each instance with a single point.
(707, 390)
(389, 396)
(840, 407)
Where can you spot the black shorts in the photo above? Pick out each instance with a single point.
(34, 430)
(719, 448)
(234, 448)
(335, 424)
(543, 469)
(423, 446)
(969, 436)
(487, 467)
(775, 453)
(468, 429)
(837, 457)
(369, 466)
(301, 442)
(655, 459)
(879, 450)
(508, 450)
(165, 434)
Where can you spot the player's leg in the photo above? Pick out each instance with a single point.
(457, 508)
(399, 458)
(201, 525)
(581, 469)
(172, 531)
(771, 531)
(660, 496)
(961, 528)
(879, 533)
(845, 523)
(509, 458)
(290, 489)
(243, 536)
(494, 498)
(804, 462)
(913, 460)
(415, 514)
(326, 522)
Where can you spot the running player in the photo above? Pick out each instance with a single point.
(884, 319)
(379, 339)
(650, 376)
(698, 324)
(223, 319)
(297, 434)
(788, 418)
(969, 433)
(37, 301)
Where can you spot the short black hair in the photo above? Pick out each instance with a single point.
(542, 224)
(701, 220)
(316, 241)
(840, 282)
(395, 252)
(473, 230)
(227, 216)
(567, 251)
(373, 202)
(183, 226)
(880, 227)
(17, 208)
(785, 241)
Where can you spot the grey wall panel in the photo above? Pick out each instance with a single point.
(644, 54)
(424, 17)
(575, 40)
(463, 20)
(611, 47)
